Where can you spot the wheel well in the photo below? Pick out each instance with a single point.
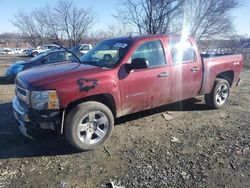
(228, 75)
(106, 99)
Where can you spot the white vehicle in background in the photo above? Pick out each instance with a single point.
(83, 48)
(41, 49)
(8, 51)
(18, 51)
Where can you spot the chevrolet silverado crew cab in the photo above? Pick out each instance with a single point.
(119, 76)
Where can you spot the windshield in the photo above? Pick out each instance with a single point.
(106, 53)
(39, 56)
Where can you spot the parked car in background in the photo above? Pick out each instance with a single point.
(8, 51)
(18, 51)
(83, 48)
(41, 49)
(27, 51)
(48, 57)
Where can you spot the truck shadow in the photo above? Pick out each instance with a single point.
(14, 145)
(192, 104)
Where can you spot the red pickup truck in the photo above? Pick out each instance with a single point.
(119, 76)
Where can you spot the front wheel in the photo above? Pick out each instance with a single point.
(219, 94)
(88, 125)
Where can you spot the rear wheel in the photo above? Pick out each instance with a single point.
(219, 94)
(88, 125)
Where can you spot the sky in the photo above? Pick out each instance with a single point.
(104, 10)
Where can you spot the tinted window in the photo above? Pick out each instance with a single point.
(182, 51)
(151, 51)
(55, 57)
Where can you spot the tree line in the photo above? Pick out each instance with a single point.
(64, 21)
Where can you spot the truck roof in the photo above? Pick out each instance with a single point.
(139, 37)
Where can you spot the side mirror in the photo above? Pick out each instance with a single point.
(137, 63)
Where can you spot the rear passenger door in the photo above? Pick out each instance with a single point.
(186, 70)
(141, 89)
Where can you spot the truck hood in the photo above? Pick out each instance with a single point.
(39, 76)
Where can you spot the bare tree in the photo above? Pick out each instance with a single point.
(148, 16)
(80, 21)
(46, 17)
(26, 24)
(206, 19)
(73, 21)
(59, 22)
(119, 30)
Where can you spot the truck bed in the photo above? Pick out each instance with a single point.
(212, 66)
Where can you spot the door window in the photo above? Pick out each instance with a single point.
(182, 51)
(151, 51)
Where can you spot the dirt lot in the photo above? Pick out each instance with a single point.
(194, 147)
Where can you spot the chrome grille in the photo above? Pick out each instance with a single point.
(22, 94)
(21, 91)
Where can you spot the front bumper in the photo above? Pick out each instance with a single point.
(32, 122)
(21, 116)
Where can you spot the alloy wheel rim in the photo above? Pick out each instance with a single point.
(93, 127)
(221, 94)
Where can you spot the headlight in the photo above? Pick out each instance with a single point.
(44, 100)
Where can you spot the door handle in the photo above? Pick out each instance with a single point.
(163, 74)
(195, 69)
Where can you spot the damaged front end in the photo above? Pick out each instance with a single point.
(36, 113)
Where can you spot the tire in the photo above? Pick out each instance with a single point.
(219, 94)
(34, 54)
(88, 125)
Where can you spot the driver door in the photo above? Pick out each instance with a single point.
(141, 88)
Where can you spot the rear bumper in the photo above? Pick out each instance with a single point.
(31, 122)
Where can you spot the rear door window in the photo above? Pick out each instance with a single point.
(182, 51)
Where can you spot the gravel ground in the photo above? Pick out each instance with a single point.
(180, 145)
